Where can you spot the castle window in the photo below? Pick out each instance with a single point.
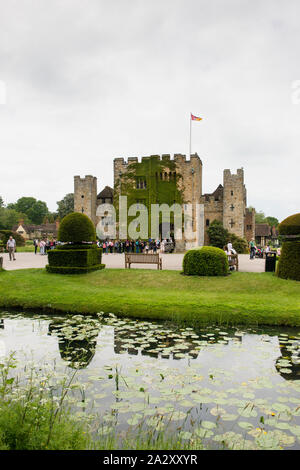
(231, 192)
(207, 222)
(231, 223)
(166, 176)
(232, 207)
(82, 196)
(141, 183)
(249, 227)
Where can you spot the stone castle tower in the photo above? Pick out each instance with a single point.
(234, 202)
(85, 196)
(226, 204)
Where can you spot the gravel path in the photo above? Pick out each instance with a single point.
(169, 261)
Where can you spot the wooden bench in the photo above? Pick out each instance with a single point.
(142, 258)
(233, 260)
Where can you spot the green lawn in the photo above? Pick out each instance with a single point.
(241, 298)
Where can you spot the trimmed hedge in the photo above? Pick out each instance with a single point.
(288, 266)
(290, 225)
(205, 261)
(74, 269)
(72, 261)
(76, 228)
(75, 246)
(79, 258)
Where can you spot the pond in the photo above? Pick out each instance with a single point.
(232, 387)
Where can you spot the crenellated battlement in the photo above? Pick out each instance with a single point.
(178, 157)
(231, 177)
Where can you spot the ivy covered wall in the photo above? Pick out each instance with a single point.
(151, 181)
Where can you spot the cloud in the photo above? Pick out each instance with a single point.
(90, 81)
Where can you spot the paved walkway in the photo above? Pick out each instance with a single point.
(169, 261)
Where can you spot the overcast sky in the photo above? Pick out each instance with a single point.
(90, 80)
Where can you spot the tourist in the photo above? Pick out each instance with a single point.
(35, 244)
(229, 246)
(11, 248)
(268, 249)
(252, 248)
(42, 247)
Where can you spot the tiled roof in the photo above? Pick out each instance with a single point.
(107, 192)
(262, 230)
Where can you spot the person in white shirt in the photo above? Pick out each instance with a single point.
(11, 247)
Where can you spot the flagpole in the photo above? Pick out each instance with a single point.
(190, 134)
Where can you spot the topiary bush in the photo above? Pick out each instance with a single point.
(76, 228)
(290, 225)
(79, 254)
(205, 261)
(288, 266)
(238, 243)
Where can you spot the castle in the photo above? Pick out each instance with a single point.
(162, 179)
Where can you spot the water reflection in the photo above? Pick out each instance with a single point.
(77, 340)
(288, 364)
(162, 342)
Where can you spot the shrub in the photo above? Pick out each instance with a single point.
(5, 234)
(289, 263)
(77, 255)
(220, 236)
(238, 243)
(79, 258)
(76, 228)
(290, 225)
(74, 261)
(206, 261)
(288, 266)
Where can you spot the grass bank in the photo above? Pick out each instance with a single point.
(241, 298)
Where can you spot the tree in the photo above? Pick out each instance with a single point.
(34, 210)
(272, 221)
(218, 235)
(260, 217)
(10, 217)
(37, 212)
(24, 204)
(66, 205)
(1, 202)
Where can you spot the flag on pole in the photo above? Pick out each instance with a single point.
(195, 118)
